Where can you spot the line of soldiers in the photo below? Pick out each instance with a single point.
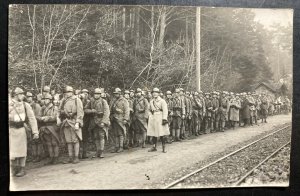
(132, 119)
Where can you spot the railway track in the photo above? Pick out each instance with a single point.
(188, 179)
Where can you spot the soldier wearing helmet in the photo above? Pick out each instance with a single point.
(169, 100)
(36, 145)
(98, 109)
(49, 130)
(120, 114)
(158, 120)
(178, 109)
(128, 141)
(70, 120)
(19, 113)
(140, 118)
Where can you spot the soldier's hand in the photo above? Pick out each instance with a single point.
(76, 126)
(35, 136)
(58, 121)
(124, 122)
(102, 125)
(183, 116)
(164, 122)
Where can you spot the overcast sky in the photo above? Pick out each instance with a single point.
(269, 16)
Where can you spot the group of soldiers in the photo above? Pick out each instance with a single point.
(131, 118)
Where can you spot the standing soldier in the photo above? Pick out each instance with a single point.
(86, 122)
(169, 100)
(208, 115)
(201, 114)
(215, 105)
(49, 130)
(36, 145)
(158, 124)
(70, 119)
(234, 115)
(128, 140)
(140, 117)
(178, 109)
(196, 107)
(264, 108)
(189, 115)
(223, 111)
(187, 107)
(98, 110)
(245, 109)
(119, 118)
(19, 113)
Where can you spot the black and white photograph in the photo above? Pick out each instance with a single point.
(105, 97)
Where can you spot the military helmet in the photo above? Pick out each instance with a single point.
(126, 92)
(200, 92)
(18, 91)
(85, 91)
(249, 93)
(68, 89)
(138, 90)
(117, 91)
(46, 89)
(47, 96)
(196, 93)
(181, 89)
(187, 92)
(177, 90)
(29, 94)
(156, 90)
(169, 93)
(98, 91)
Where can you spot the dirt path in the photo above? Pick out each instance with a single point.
(140, 168)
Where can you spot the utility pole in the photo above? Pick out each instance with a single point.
(198, 46)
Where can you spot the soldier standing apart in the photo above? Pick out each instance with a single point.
(234, 111)
(20, 113)
(140, 117)
(158, 124)
(49, 131)
(178, 114)
(98, 109)
(264, 108)
(70, 119)
(86, 122)
(36, 145)
(119, 118)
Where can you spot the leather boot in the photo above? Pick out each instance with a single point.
(100, 154)
(76, 160)
(21, 173)
(120, 150)
(153, 149)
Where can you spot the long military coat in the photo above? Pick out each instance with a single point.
(234, 110)
(18, 111)
(158, 112)
(120, 111)
(141, 113)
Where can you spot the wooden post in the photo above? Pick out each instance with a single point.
(198, 44)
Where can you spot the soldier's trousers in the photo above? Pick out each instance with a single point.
(99, 135)
(208, 121)
(84, 142)
(52, 144)
(194, 124)
(119, 135)
(18, 161)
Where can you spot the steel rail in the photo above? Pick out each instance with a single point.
(262, 162)
(220, 159)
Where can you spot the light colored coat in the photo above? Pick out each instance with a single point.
(17, 136)
(158, 112)
(234, 112)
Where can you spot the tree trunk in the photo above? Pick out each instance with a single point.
(137, 38)
(124, 24)
(162, 28)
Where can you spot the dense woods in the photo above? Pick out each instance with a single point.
(90, 46)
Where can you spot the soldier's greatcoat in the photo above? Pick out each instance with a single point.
(141, 114)
(101, 116)
(158, 112)
(73, 108)
(20, 111)
(120, 111)
(235, 106)
(48, 125)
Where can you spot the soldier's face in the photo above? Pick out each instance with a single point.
(138, 94)
(68, 94)
(20, 97)
(155, 94)
(46, 101)
(131, 94)
(117, 95)
(169, 96)
(29, 99)
(97, 96)
(126, 96)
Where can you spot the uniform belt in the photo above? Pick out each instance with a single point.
(16, 125)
